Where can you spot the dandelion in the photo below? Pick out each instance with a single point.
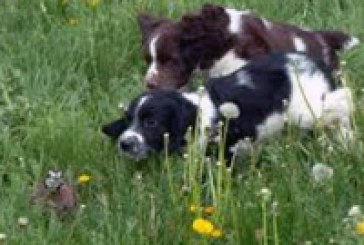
(82, 206)
(265, 193)
(216, 233)
(84, 179)
(209, 210)
(202, 226)
(92, 3)
(322, 172)
(2, 237)
(354, 211)
(138, 176)
(23, 221)
(229, 110)
(359, 228)
(201, 91)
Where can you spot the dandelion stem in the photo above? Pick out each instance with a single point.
(275, 229)
(264, 221)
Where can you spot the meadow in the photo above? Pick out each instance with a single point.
(64, 68)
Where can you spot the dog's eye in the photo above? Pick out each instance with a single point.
(150, 123)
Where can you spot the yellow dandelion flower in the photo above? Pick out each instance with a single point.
(359, 228)
(193, 208)
(209, 210)
(84, 179)
(216, 233)
(92, 3)
(202, 226)
(73, 21)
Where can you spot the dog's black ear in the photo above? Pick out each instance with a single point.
(148, 24)
(115, 128)
(185, 117)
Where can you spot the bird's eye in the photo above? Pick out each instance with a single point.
(150, 123)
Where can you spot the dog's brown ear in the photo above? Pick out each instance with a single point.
(148, 24)
(256, 41)
(212, 11)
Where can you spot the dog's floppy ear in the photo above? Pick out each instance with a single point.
(185, 118)
(256, 40)
(212, 10)
(115, 128)
(148, 24)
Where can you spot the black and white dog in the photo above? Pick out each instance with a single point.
(268, 92)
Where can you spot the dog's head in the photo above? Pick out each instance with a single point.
(174, 49)
(148, 119)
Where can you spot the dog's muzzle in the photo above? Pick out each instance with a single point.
(133, 146)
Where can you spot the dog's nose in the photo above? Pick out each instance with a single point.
(128, 144)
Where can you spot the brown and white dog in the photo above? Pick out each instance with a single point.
(221, 40)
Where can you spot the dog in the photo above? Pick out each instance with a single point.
(221, 40)
(267, 92)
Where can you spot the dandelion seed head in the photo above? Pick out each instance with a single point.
(321, 172)
(2, 236)
(23, 221)
(265, 194)
(354, 211)
(229, 110)
(285, 102)
(122, 106)
(201, 90)
(138, 176)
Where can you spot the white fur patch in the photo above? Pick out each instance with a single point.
(131, 131)
(207, 113)
(272, 124)
(152, 70)
(227, 64)
(351, 43)
(235, 19)
(308, 90)
(299, 44)
(267, 24)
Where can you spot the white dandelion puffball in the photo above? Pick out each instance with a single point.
(322, 172)
(23, 221)
(229, 110)
(265, 193)
(354, 211)
(2, 237)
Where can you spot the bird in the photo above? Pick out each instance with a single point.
(54, 193)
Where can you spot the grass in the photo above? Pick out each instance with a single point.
(63, 71)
